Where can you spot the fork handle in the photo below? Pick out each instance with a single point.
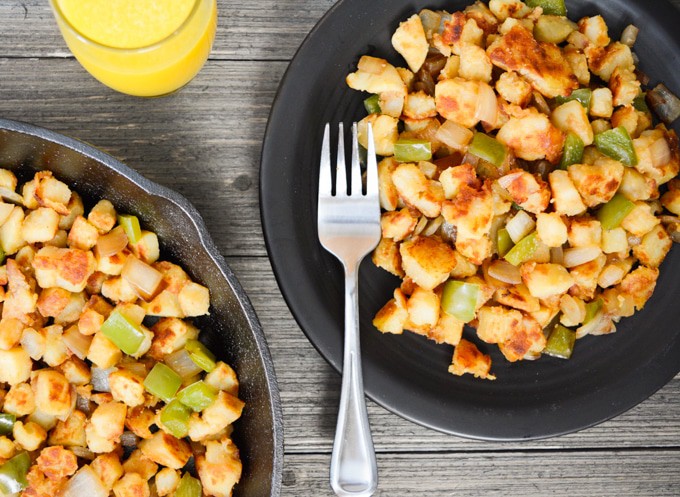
(354, 470)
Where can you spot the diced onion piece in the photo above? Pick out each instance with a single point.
(144, 278)
(610, 275)
(182, 364)
(505, 272)
(508, 179)
(541, 103)
(112, 243)
(661, 152)
(11, 196)
(454, 135)
(664, 103)
(84, 482)
(100, 379)
(76, 342)
(129, 439)
(83, 404)
(580, 255)
(487, 105)
(629, 35)
(520, 226)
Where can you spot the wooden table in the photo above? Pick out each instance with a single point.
(205, 143)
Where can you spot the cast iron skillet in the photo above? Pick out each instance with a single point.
(408, 374)
(232, 330)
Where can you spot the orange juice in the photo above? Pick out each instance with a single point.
(140, 47)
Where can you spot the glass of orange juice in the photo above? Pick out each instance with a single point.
(145, 48)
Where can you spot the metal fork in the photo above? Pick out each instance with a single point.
(349, 228)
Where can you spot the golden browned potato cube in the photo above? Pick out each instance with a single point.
(102, 352)
(11, 235)
(15, 365)
(597, 183)
(108, 468)
(103, 216)
(166, 450)
(57, 462)
(19, 400)
(83, 235)
(140, 464)
(50, 192)
(131, 485)
(640, 220)
(468, 359)
(423, 307)
(546, 280)
(654, 246)
(28, 435)
(11, 330)
(427, 260)
(532, 137)
(146, 248)
(40, 225)
(194, 299)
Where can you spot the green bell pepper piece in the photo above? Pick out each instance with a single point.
(592, 308)
(200, 354)
(131, 227)
(582, 95)
(175, 417)
(639, 103)
(613, 212)
(616, 143)
(550, 7)
(372, 104)
(560, 342)
(572, 153)
(13, 474)
(487, 148)
(162, 382)
(503, 241)
(460, 299)
(2, 256)
(197, 396)
(188, 487)
(125, 334)
(523, 250)
(7, 423)
(412, 150)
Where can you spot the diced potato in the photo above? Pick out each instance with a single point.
(595, 29)
(127, 387)
(551, 229)
(56, 351)
(169, 335)
(385, 133)
(166, 450)
(447, 330)
(223, 377)
(532, 137)
(131, 485)
(573, 310)
(474, 250)
(639, 284)
(636, 186)
(423, 307)
(470, 211)
(53, 393)
(419, 105)
(624, 86)
(463, 267)
(392, 317)
(103, 353)
(166, 481)
(597, 183)
(546, 280)
(103, 216)
(566, 198)
(614, 240)
(11, 234)
(389, 197)
(8, 179)
(584, 232)
(410, 41)
(70, 432)
(527, 341)
(456, 99)
(40, 225)
(513, 88)
(75, 208)
(140, 464)
(518, 297)
(28, 435)
(119, 290)
(530, 192)
(603, 61)
(19, 400)
(640, 220)
(108, 468)
(375, 75)
(579, 65)
(194, 299)
(474, 64)
(585, 277)
(65, 268)
(76, 371)
(28, 194)
(450, 69)
(553, 29)
(57, 462)
(468, 359)
(50, 192)
(15, 366)
(427, 260)
(601, 103)
(653, 248)
(219, 468)
(83, 235)
(572, 117)
(11, 330)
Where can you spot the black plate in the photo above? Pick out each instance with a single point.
(408, 374)
(232, 330)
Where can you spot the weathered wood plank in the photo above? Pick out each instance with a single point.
(203, 142)
(529, 474)
(310, 392)
(260, 29)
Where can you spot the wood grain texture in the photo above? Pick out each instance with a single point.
(204, 142)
